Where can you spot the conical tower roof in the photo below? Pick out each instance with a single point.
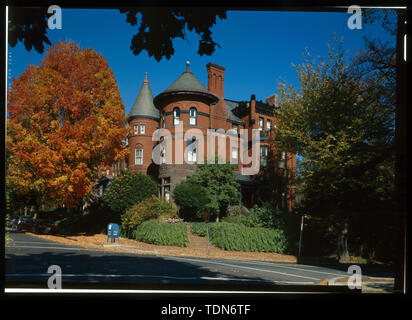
(143, 106)
(187, 81)
(187, 85)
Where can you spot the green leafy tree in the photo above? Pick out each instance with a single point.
(342, 124)
(222, 187)
(157, 28)
(128, 189)
(191, 198)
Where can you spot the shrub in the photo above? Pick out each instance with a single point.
(199, 228)
(149, 208)
(265, 216)
(237, 237)
(192, 198)
(128, 189)
(221, 185)
(160, 233)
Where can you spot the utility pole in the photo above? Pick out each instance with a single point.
(206, 218)
(301, 235)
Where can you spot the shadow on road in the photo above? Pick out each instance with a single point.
(100, 270)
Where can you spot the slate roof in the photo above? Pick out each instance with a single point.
(230, 106)
(143, 105)
(187, 81)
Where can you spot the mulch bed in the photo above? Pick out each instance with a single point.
(197, 247)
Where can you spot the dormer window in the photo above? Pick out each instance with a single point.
(193, 116)
(176, 116)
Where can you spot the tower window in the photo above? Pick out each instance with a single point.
(192, 151)
(163, 155)
(192, 116)
(136, 129)
(163, 120)
(142, 128)
(176, 116)
(138, 157)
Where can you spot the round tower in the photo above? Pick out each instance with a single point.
(186, 104)
(143, 120)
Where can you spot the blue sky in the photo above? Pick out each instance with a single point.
(257, 49)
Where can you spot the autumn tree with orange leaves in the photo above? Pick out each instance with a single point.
(65, 121)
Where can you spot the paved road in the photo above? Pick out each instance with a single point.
(28, 259)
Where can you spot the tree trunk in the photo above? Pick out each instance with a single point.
(342, 252)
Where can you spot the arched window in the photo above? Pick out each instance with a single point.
(176, 116)
(192, 151)
(193, 116)
(163, 120)
(138, 156)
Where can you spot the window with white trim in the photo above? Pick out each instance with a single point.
(234, 155)
(264, 151)
(260, 124)
(163, 154)
(163, 120)
(192, 151)
(142, 128)
(136, 129)
(176, 116)
(282, 160)
(193, 116)
(167, 192)
(138, 156)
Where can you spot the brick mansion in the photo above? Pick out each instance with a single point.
(186, 105)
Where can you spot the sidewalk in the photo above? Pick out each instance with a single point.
(369, 284)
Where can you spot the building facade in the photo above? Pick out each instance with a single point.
(187, 110)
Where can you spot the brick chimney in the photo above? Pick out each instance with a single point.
(252, 111)
(215, 79)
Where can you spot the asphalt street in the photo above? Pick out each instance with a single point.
(29, 258)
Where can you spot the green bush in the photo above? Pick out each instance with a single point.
(162, 233)
(128, 189)
(237, 237)
(192, 199)
(199, 228)
(148, 209)
(265, 216)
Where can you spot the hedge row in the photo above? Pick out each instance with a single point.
(237, 237)
(160, 233)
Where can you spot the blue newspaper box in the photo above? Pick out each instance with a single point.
(112, 231)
